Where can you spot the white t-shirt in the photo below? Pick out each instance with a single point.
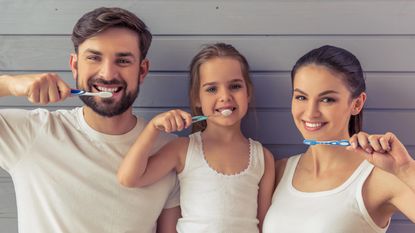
(339, 210)
(64, 173)
(213, 202)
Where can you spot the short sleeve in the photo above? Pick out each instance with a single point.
(18, 129)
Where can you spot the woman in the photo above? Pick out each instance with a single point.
(332, 188)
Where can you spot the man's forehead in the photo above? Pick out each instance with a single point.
(117, 41)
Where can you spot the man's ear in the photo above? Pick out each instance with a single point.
(144, 68)
(358, 103)
(73, 62)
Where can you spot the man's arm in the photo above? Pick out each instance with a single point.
(167, 220)
(38, 88)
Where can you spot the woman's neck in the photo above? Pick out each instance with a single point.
(321, 158)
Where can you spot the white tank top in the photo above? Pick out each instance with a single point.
(340, 210)
(213, 202)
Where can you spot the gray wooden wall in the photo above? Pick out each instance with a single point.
(35, 37)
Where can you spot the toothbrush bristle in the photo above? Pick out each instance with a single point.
(226, 112)
(105, 94)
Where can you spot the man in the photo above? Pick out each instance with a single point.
(63, 163)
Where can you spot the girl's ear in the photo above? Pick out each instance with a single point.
(358, 103)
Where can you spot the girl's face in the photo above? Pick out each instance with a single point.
(222, 87)
(322, 103)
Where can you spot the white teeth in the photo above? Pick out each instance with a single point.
(226, 112)
(107, 89)
(313, 125)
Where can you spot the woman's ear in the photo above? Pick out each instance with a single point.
(358, 103)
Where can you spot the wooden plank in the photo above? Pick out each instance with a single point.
(265, 53)
(8, 225)
(7, 199)
(299, 17)
(271, 90)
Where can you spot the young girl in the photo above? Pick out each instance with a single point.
(226, 180)
(330, 188)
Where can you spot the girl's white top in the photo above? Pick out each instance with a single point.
(213, 202)
(338, 210)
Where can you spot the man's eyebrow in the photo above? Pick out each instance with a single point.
(93, 51)
(124, 54)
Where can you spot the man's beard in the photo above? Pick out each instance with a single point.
(107, 106)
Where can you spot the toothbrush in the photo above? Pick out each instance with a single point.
(225, 113)
(103, 94)
(334, 143)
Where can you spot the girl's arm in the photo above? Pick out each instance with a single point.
(389, 154)
(266, 187)
(138, 168)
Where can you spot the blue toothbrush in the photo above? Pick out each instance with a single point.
(103, 94)
(334, 143)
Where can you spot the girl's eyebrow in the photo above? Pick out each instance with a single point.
(236, 80)
(321, 94)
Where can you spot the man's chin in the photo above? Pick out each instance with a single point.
(107, 108)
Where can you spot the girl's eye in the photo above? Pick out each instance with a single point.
(235, 86)
(300, 97)
(211, 89)
(328, 100)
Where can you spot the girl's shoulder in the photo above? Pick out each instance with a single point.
(179, 143)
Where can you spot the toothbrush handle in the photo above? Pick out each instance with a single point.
(76, 92)
(198, 118)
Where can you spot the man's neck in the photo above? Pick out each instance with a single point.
(115, 125)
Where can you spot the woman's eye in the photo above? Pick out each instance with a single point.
(300, 97)
(328, 100)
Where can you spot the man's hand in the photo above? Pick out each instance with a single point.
(38, 88)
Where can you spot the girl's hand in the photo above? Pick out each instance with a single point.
(172, 121)
(382, 150)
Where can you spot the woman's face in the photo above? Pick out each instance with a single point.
(322, 103)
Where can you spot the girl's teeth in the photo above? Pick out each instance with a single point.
(226, 112)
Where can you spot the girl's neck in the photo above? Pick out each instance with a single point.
(224, 134)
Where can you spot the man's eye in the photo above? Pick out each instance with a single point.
(124, 61)
(93, 58)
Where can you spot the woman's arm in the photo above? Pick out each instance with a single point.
(388, 153)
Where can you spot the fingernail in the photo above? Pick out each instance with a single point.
(369, 151)
(354, 145)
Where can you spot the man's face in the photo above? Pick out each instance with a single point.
(110, 61)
